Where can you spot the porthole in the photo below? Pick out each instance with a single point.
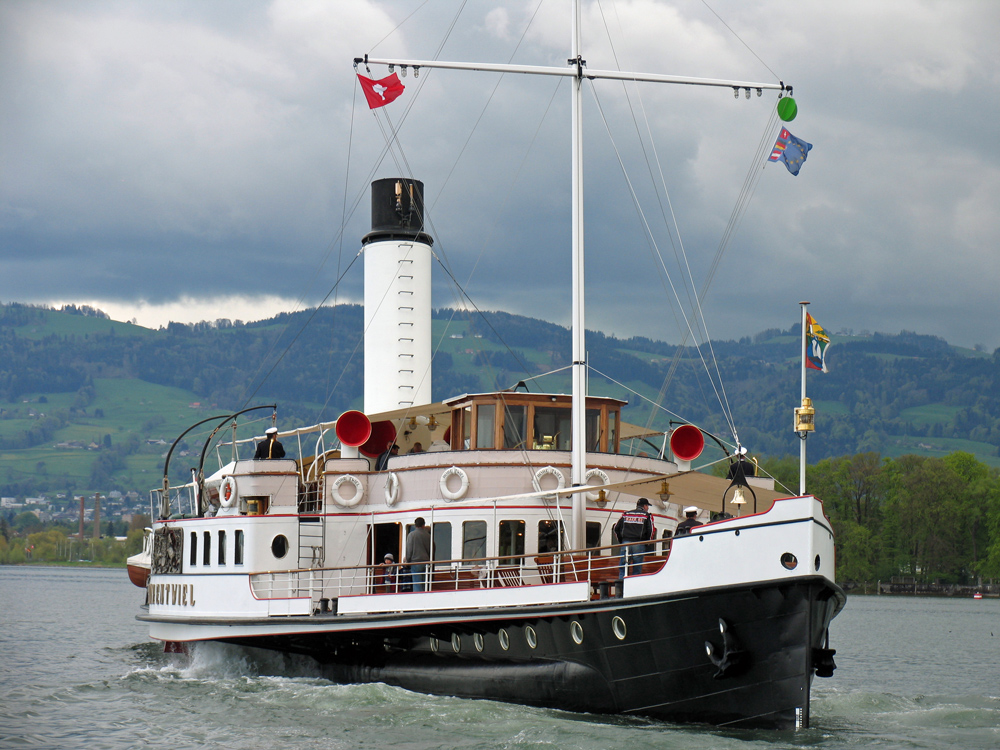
(478, 640)
(618, 626)
(279, 547)
(530, 636)
(737, 532)
(789, 561)
(456, 642)
(576, 631)
(504, 639)
(816, 563)
(435, 645)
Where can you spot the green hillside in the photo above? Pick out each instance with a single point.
(85, 401)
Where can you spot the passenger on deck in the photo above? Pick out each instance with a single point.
(418, 553)
(269, 447)
(633, 529)
(417, 448)
(383, 460)
(388, 574)
(689, 522)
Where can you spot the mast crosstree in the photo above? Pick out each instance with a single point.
(576, 68)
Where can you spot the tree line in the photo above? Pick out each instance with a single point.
(935, 520)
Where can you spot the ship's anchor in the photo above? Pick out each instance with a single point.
(823, 659)
(733, 658)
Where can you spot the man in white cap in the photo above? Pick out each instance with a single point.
(689, 522)
(269, 447)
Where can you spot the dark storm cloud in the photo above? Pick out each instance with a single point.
(159, 151)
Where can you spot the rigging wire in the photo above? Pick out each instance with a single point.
(681, 256)
(742, 203)
(749, 48)
(650, 238)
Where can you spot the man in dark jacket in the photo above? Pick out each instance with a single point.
(269, 447)
(690, 521)
(633, 529)
(418, 553)
(382, 463)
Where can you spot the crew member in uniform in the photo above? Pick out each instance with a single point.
(633, 529)
(269, 447)
(689, 522)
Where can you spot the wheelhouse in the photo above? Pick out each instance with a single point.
(530, 421)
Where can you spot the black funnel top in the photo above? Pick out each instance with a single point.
(397, 211)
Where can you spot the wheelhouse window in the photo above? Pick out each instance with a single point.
(194, 548)
(222, 547)
(207, 551)
(515, 424)
(593, 420)
(553, 429)
(510, 539)
(238, 547)
(485, 423)
(473, 540)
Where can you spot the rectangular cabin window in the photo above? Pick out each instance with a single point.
(485, 416)
(238, 551)
(222, 547)
(612, 432)
(442, 541)
(593, 429)
(206, 558)
(549, 533)
(473, 540)
(593, 534)
(553, 429)
(515, 424)
(466, 427)
(194, 548)
(510, 540)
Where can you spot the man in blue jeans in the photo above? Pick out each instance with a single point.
(633, 530)
(418, 553)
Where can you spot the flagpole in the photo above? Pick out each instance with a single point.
(803, 434)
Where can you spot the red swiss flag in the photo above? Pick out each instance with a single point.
(381, 92)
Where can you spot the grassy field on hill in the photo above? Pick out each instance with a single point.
(118, 389)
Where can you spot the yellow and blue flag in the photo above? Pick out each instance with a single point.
(817, 341)
(791, 150)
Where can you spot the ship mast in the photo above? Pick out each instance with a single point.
(577, 70)
(578, 526)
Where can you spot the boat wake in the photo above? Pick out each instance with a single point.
(943, 720)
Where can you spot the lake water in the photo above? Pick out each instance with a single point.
(77, 671)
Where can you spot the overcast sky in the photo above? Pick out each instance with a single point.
(196, 160)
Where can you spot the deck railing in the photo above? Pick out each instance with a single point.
(598, 566)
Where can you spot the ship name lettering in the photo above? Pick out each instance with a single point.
(172, 593)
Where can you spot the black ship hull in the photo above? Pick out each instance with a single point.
(741, 656)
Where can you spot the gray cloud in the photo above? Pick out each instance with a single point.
(159, 151)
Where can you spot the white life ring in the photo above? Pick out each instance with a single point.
(347, 502)
(228, 494)
(391, 488)
(595, 472)
(548, 471)
(454, 471)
